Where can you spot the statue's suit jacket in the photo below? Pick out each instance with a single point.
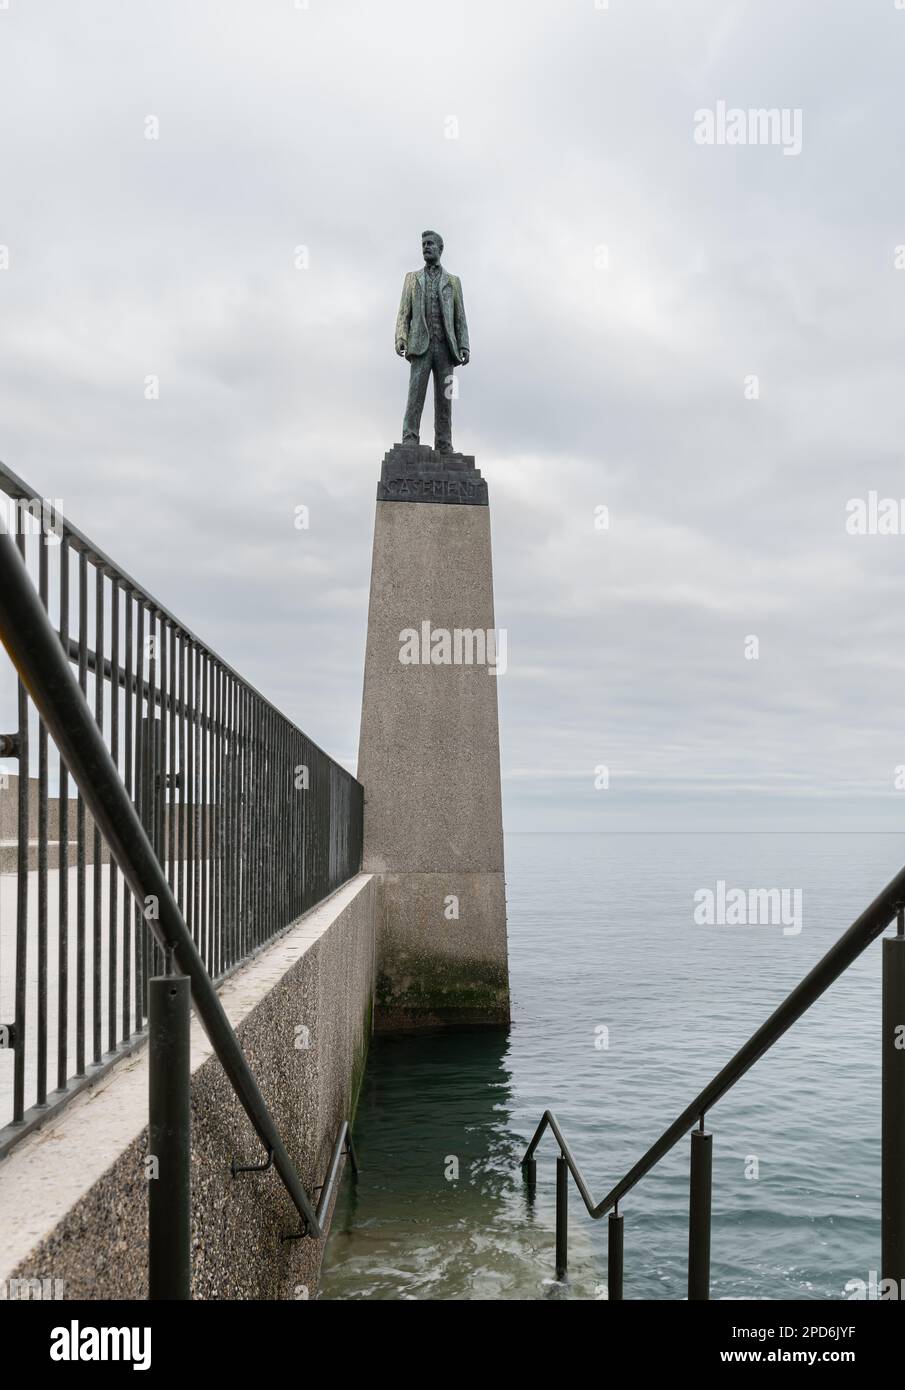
(411, 324)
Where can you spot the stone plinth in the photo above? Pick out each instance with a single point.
(429, 754)
(417, 473)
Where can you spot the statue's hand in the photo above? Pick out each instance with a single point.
(465, 354)
(400, 347)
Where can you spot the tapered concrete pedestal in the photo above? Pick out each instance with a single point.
(429, 755)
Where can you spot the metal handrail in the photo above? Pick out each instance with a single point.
(44, 669)
(888, 905)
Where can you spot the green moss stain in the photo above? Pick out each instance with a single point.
(449, 986)
(361, 1056)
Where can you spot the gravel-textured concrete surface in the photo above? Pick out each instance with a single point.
(434, 971)
(429, 761)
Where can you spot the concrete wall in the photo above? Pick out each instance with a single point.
(73, 1196)
(429, 761)
(9, 827)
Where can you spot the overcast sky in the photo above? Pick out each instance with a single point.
(617, 377)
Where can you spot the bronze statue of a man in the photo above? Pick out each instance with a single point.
(432, 334)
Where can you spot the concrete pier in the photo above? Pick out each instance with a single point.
(429, 756)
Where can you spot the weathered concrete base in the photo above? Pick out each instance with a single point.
(434, 972)
(429, 761)
(73, 1197)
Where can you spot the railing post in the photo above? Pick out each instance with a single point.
(562, 1217)
(169, 1139)
(699, 1214)
(892, 1205)
(614, 1258)
(530, 1168)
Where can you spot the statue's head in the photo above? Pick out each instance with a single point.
(431, 247)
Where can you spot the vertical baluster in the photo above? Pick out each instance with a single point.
(223, 820)
(614, 1256)
(169, 1138)
(23, 830)
(238, 803)
(277, 919)
(204, 829)
(300, 831)
(246, 840)
(171, 762)
(97, 846)
(699, 1214)
(214, 813)
(240, 846)
(149, 775)
(243, 820)
(113, 915)
(43, 836)
(303, 820)
(257, 755)
(892, 1208)
(273, 872)
(63, 855)
(237, 822)
(271, 761)
(159, 710)
(325, 825)
(316, 805)
(183, 778)
(297, 794)
(161, 752)
(190, 794)
(225, 759)
(267, 759)
(80, 834)
(241, 946)
(309, 809)
(140, 775)
(275, 813)
(164, 737)
(128, 755)
(229, 820)
(288, 811)
(217, 796)
(562, 1217)
(196, 799)
(264, 755)
(253, 783)
(285, 780)
(313, 863)
(302, 868)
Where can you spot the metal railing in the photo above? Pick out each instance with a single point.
(248, 821)
(887, 906)
(44, 670)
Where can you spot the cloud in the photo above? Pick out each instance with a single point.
(624, 386)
